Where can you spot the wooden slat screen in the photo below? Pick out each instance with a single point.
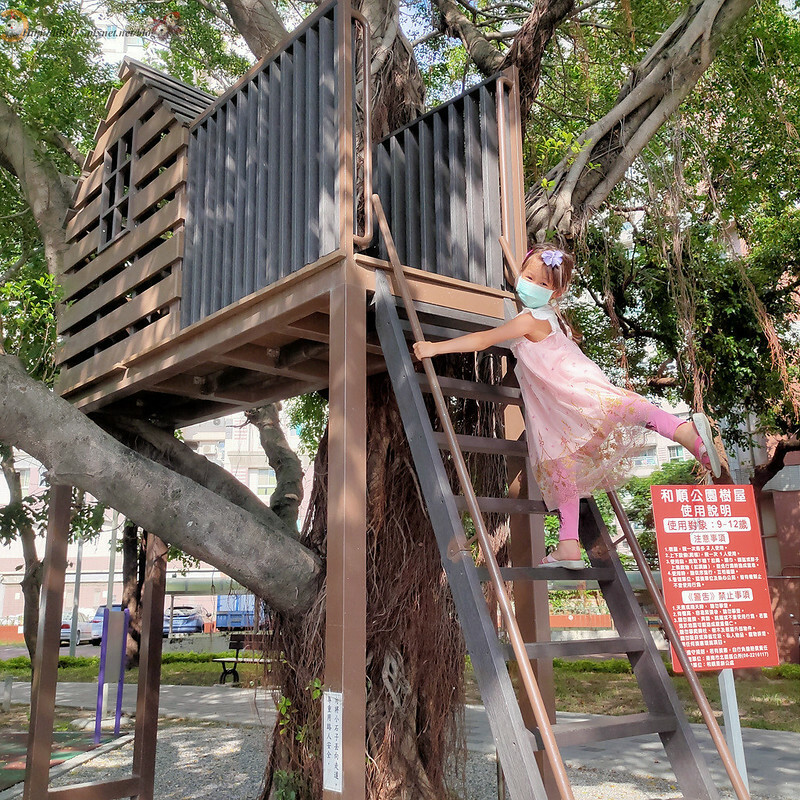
(439, 181)
(262, 197)
(116, 294)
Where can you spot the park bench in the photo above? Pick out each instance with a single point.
(237, 643)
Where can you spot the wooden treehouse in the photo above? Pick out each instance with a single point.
(224, 253)
(208, 235)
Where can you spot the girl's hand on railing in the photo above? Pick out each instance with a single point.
(425, 350)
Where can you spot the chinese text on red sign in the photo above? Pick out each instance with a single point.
(713, 574)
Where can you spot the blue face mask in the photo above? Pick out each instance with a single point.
(531, 294)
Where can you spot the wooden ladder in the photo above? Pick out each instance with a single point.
(516, 743)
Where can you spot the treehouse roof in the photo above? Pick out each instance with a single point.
(184, 100)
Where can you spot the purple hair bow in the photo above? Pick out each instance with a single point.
(553, 258)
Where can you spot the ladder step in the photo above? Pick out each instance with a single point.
(550, 574)
(579, 647)
(599, 729)
(504, 505)
(484, 444)
(435, 333)
(455, 387)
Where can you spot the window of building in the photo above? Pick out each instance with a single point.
(262, 481)
(649, 458)
(676, 452)
(115, 196)
(25, 480)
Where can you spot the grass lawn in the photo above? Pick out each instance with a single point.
(768, 698)
(183, 669)
(764, 702)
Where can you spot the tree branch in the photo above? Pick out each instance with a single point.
(667, 74)
(398, 86)
(40, 181)
(16, 266)
(32, 579)
(586, 6)
(427, 37)
(487, 59)
(212, 9)
(161, 446)
(63, 143)
(528, 48)
(629, 328)
(182, 512)
(259, 23)
(288, 494)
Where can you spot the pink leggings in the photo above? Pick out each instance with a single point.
(643, 413)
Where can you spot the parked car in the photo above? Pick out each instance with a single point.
(186, 619)
(84, 628)
(97, 622)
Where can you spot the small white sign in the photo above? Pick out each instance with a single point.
(332, 741)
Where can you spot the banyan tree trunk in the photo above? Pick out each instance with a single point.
(415, 649)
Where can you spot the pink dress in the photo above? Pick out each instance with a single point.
(581, 429)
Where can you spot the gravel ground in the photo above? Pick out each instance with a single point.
(196, 760)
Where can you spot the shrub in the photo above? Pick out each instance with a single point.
(616, 666)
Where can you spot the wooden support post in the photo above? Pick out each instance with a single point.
(45, 660)
(526, 547)
(144, 748)
(345, 639)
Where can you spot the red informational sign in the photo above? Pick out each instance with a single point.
(713, 575)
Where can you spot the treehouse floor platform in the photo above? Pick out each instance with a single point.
(269, 346)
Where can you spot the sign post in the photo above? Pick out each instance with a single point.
(715, 585)
(730, 716)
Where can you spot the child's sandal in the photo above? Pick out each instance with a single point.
(704, 445)
(549, 561)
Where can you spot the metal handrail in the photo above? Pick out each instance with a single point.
(517, 642)
(510, 265)
(674, 639)
(505, 190)
(362, 240)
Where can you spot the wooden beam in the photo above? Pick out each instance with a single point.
(119, 98)
(311, 370)
(162, 257)
(89, 215)
(106, 790)
(345, 625)
(148, 302)
(168, 181)
(121, 126)
(187, 386)
(315, 327)
(78, 251)
(113, 359)
(177, 138)
(45, 661)
(163, 220)
(153, 127)
(249, 356)
(147, 695)
(441, 290)
(242, 322)
(89, 185)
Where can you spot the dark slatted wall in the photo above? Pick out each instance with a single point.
(262, 177)
(438, 180)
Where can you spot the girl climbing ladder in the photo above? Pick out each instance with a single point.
(581, 429)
